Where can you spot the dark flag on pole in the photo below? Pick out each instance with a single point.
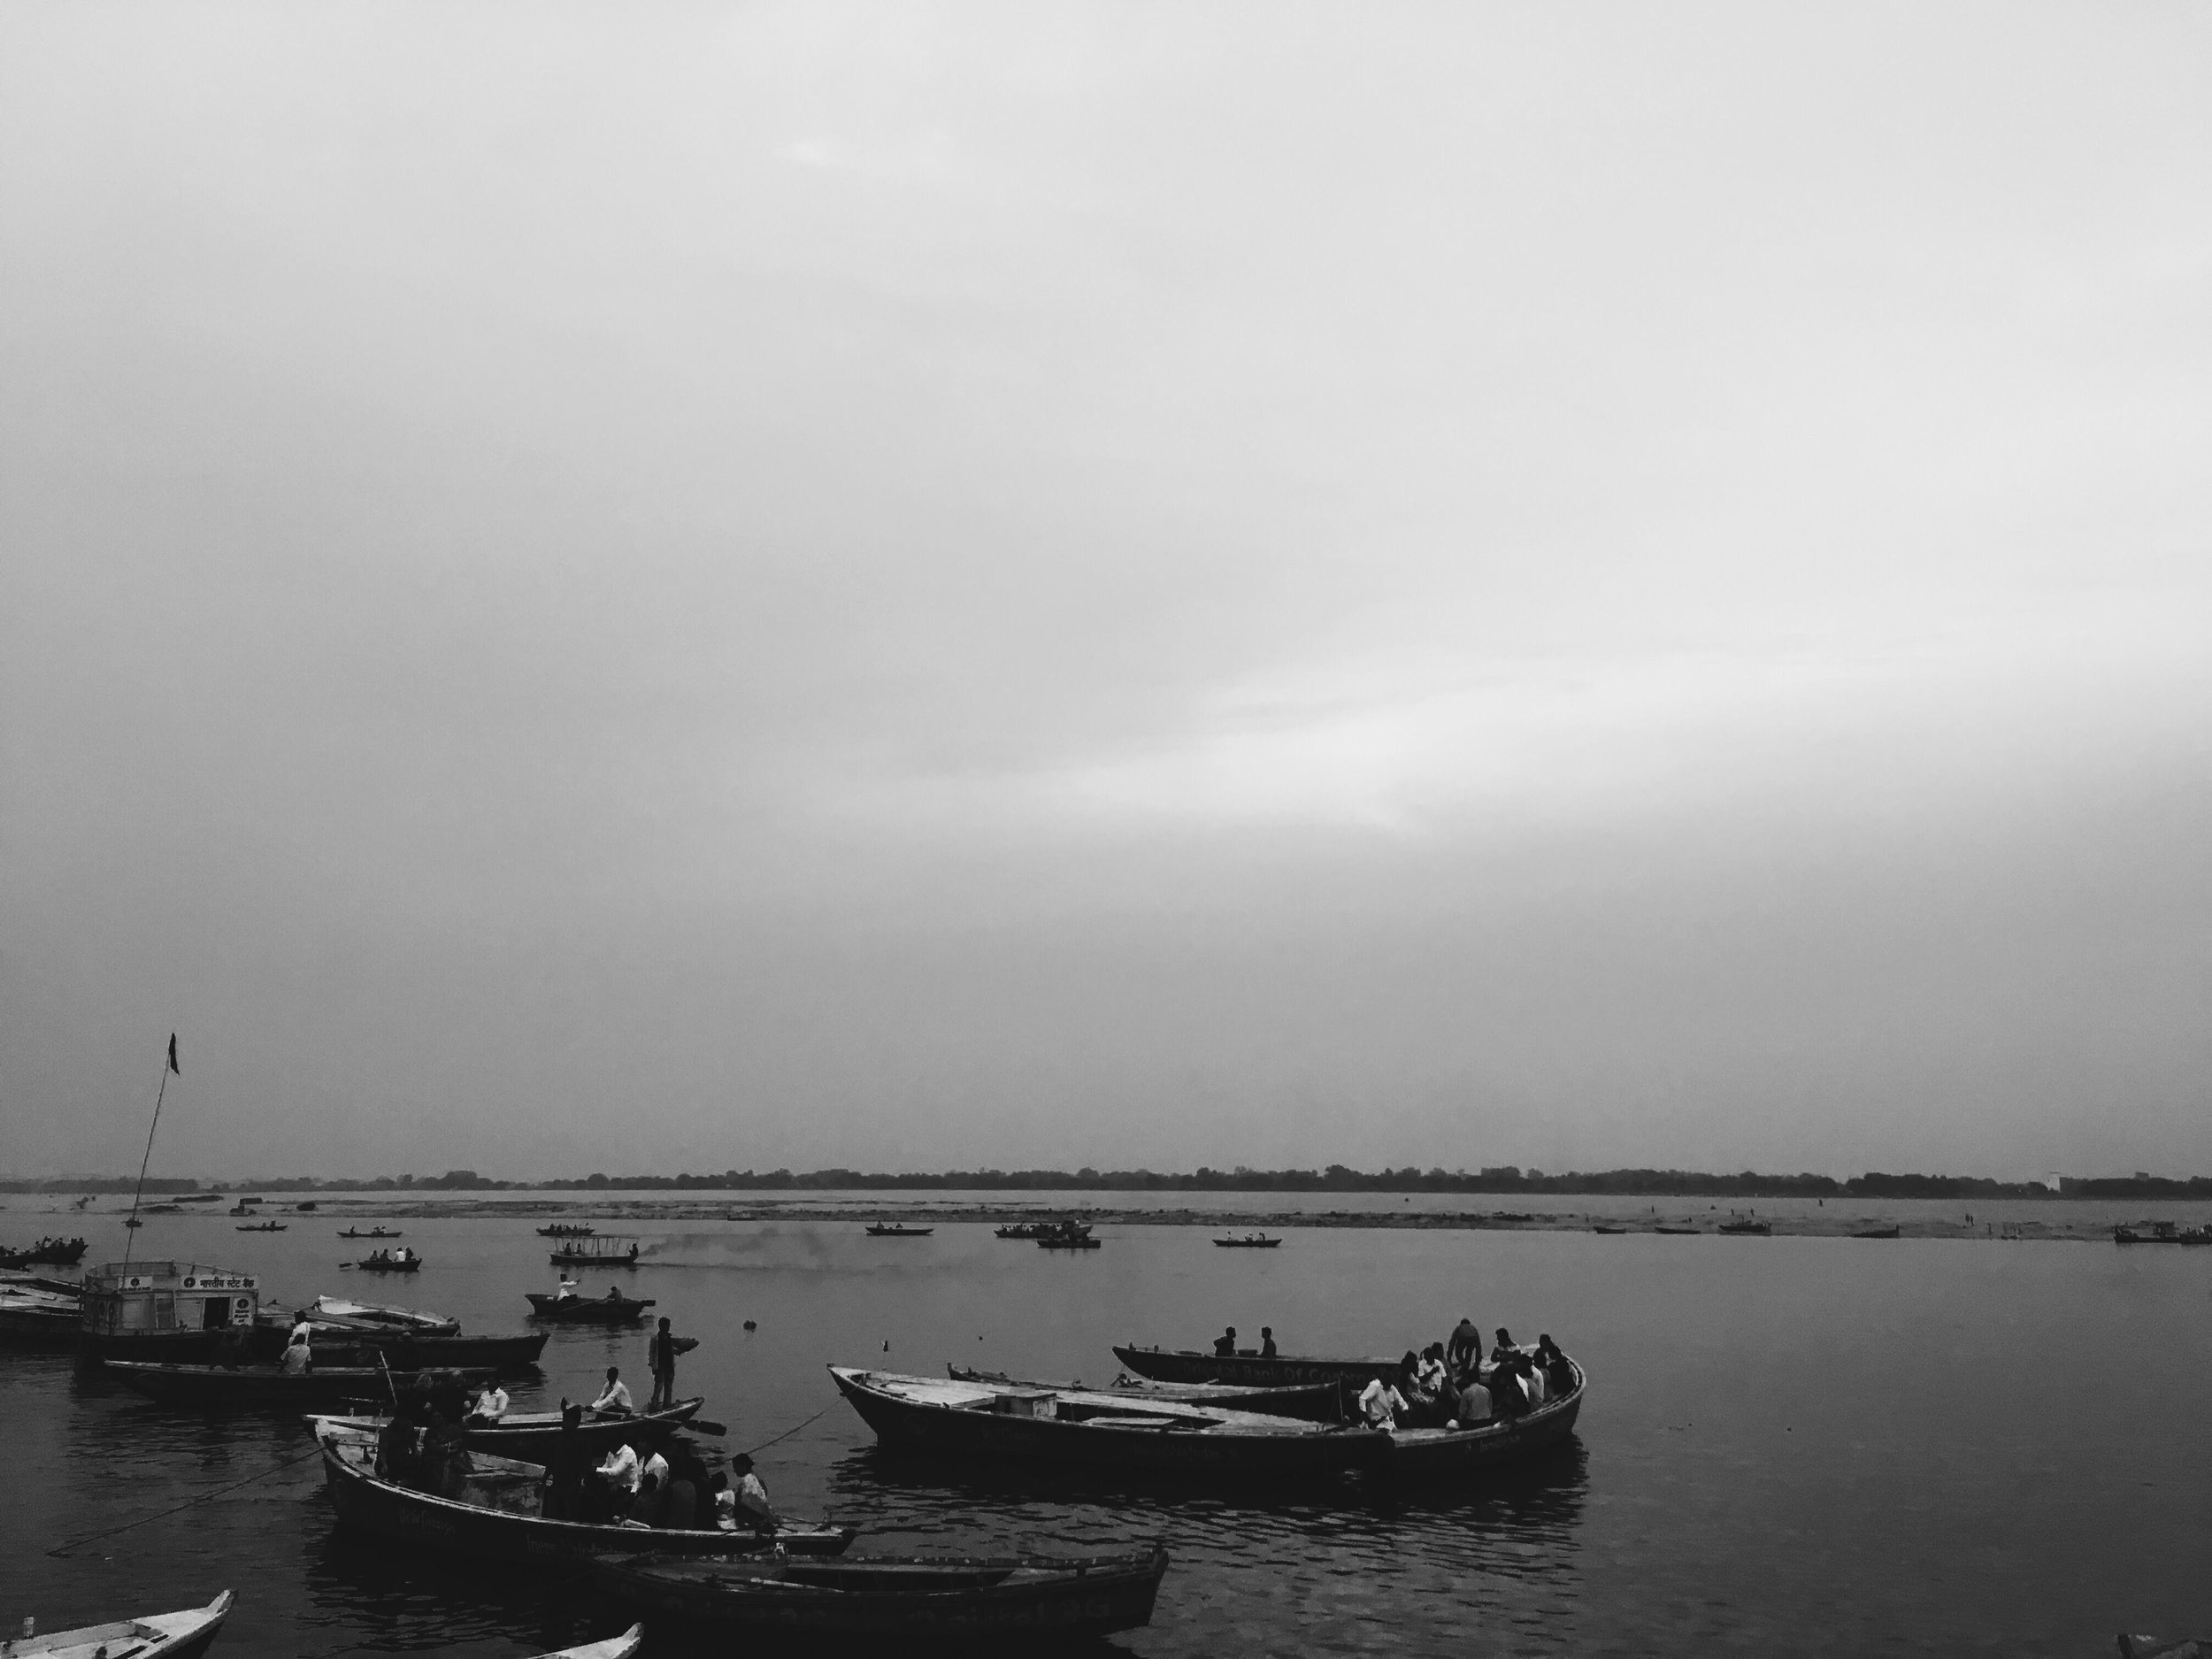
(173, 1054)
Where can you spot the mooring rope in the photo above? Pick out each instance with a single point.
(77, 1543)
(788, 1432)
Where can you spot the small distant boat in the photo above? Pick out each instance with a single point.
(1248, 1241)
(610, 1308)
(603, 1250)
(614, 1648)
(1747, 1228)
(261, 1227)
(132, 1221)
(1679, 1232)
(400, 1261)
(897, 1230)
(1875, 1232)
(306, 1208)
(567, 1230)
(1602, 1228)
(2156, 1233)
(1042, 1229)
(1033, 1598)
(373, 1232)
(1068, 1242)
(1512, 1215)
(45, 1253)
(158, 1636)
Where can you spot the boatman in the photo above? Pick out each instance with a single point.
(567, 1291)
(662, 1352)
(614, 1400)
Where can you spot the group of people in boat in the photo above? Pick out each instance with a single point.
(638, 1484)
(1447, 1385)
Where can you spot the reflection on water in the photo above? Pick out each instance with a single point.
(1802, 1445)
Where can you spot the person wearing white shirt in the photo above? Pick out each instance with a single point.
(567, 1291)
(616, 1400)
(491, 1405)
(297, 1355)
(622, 1470)
(654, 1465)
(1380, 1404)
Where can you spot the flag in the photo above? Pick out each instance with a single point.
(172, 1054)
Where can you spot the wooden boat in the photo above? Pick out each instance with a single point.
(401, 1261)
(896, 1230)
(1040, 1229)
(567, 1230)
(2149, 1232)
(157, 1636)
(307, 1207)
(1759, 1229)
(533, 1434)
(601, 1250)
(262, 1226)
(215, 1386)
(1875, 1232)
(38, 1312)
(373, 1232)
(345, 1343)
(409, 1321)
(1678, 1232)
(608, 1309)
(1316, 1402)
(1249, 1370)
(1070, 1241)
(1249, 1241)
(1415, 1454)
(46, 1253)
(181, 1312)
(614, 1648)
(1609, 1230)
(496, 1516)
(928, 1599)
(1096, 1427)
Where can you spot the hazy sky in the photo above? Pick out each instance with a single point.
(631, 588)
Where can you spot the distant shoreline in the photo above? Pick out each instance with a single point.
(1835, 1224)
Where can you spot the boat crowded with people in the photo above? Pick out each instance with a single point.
(45, 1253)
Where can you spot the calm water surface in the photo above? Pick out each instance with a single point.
(1826, 1445)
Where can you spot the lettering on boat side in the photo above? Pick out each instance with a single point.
(209, 1281)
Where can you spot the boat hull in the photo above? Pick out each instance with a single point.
(402, 1516)
(533, 1437)
(1428, 1455)
(1252, 1370)
(212, 1388)
(1309, 1402)
(588, 1310)
(1022, 1598)
(402, 1352)
(158, 1636)
(1121, 1435)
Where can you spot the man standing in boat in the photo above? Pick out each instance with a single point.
(662, 1352)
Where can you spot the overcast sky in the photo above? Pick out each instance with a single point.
(638, 587)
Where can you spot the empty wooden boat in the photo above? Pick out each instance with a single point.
(413, 1321)
(497, 1515)
(1317, 1403)
(967, 1600)
(532, 1435)
(614, 1648)
(1095, 1428)
(217, 1388)
(610, 1308)
(157, 1636)
(896, 1230)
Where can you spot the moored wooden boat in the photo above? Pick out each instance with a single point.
(218, 1388)
(40, 1312)
(414, 1321)
(1759, 1229)
(1095, 1428)
(1602, 1228)
(347, 1345)
(897, 1230)
(373, 1232)
(1253, 1371)
(532, 1435)
(1317, 1403)
(1249, 1241)
(157, 1636)
(608, 1309)
(967, 1600)
(1875, 1232)
(1068, 1242)
(1678, 1232)
(496, 1516)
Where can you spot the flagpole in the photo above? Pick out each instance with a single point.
(169, 1065)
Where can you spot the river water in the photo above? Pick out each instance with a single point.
(1808, 1445)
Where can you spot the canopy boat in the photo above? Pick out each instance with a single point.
(1248, 1241)
(601, 1251)
(1875, 1232)
(611, 1308)
(157, 1636)
(897, 1230)
(373, 1232)
(168, 1311)
(263, 1226)
(614, 1648)
(533, 1434)
(400, 1261)
(1760, 1229)
(1094, 1426)
(216, 1387)
(567, 1230)
(1250, 1369)
(1317, 1403)
(43, 1312)
(46, 1253)
(498, 1515)
(1026, 1599)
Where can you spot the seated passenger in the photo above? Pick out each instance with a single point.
(298, 1357)
(491, 1404)
(1225, 1346)
(1558, 1370)
(1432, 1373)
(1379, 1405)
(619, 1475)
(1267, 1342)
(614, 1400)
(1474, 1404)
(1423, 1410)
(649, 1508)
(1505, 1346)
(750, 1506)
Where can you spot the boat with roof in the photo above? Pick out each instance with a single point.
(180, 1311)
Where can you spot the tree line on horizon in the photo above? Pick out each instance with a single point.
(1337, 1178)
